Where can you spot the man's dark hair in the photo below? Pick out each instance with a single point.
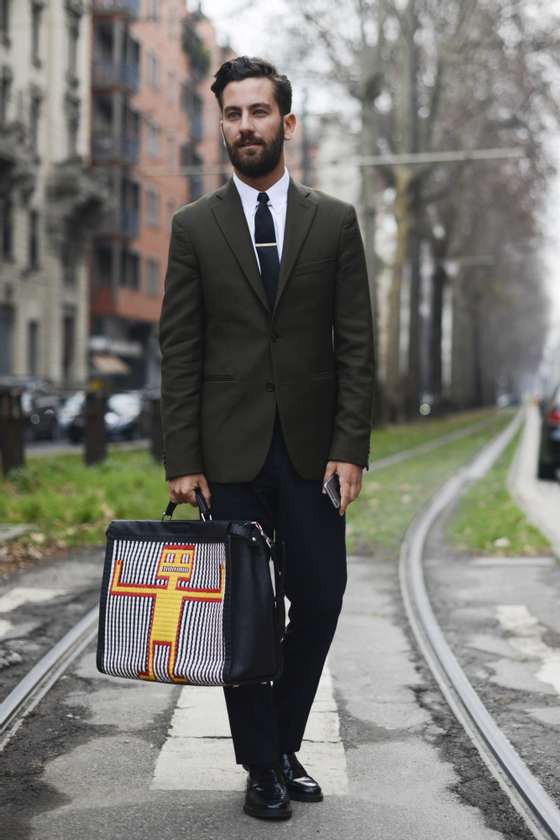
(244, 67)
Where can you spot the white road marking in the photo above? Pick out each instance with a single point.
(26, 594)
(198, 753)
(526, 638)
(513, 561)
(5, 627)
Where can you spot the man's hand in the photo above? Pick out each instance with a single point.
(181, 488)
(350, 478)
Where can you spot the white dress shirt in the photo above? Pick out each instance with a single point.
(277, 202)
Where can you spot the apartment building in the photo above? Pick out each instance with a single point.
(208, 152)
(47, 198)
(148, 122)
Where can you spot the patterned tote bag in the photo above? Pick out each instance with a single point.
(191, 601)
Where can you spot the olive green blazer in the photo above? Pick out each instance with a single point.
(227, 359)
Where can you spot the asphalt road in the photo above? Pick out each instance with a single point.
(101, 757)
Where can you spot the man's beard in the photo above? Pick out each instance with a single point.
(261, 164)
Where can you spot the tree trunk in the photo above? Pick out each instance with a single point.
(439, 280)
(413, 376)
(394, 394)
(368, 206)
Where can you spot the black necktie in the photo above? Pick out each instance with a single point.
(265, 241)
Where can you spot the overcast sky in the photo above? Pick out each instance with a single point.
(244, 24)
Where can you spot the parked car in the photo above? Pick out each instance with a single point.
(40, 405)
(122, 416)
(549, 450)
(70, 419)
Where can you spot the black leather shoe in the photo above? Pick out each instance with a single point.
(301, 786)
(266, 796)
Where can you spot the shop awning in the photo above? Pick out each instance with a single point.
(109, 364)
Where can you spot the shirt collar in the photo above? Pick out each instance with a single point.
(277, 193)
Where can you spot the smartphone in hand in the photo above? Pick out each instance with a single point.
(332, 488)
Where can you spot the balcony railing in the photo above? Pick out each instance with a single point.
(109, 74)
(18, 166)
(105, 147)
(130, 7)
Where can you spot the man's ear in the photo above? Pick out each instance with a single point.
(289, 126)
(222, 133)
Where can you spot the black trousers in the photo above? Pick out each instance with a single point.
(267, 719)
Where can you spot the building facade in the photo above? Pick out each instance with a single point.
(152, 140)
(46, 195)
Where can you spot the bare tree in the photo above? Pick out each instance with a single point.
(430, 77)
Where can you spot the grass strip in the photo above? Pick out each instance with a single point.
(401, 436)
(71, 504)
(488, 521)
(390, 499)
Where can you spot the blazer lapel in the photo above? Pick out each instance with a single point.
(300, 212)
(230, 216)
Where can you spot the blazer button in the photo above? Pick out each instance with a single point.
(274, 336)
(269, 386)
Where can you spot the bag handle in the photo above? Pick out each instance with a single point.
(205, 511)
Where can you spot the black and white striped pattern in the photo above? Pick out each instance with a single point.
(200, 649)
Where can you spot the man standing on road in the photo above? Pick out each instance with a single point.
(267, 371)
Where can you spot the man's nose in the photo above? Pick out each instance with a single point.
(246, 122)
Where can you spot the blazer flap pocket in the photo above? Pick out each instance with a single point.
(311, 266)
(217, 377)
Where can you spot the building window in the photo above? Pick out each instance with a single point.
(33, 240)
(153, 139)
(152, 207)
(73, 127)
(68, 344)
(36, 12)
(171, 207)
(6, 338)
(72, 107)
(73, 38)
(172, 152)
(103, 264)
(7, 223)
(152, 9)
(172, 87)
(152, 277)
(130, 270)
(33, 347)
(34, 116)
(153, 69)
(5, 9)
(5, 91)
(190, 158)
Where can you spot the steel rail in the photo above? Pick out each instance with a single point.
(27, 693)
(524, 790)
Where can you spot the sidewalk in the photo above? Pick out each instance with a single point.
(539, 500)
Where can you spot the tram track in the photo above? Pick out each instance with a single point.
(525, 792)
(29, 691)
